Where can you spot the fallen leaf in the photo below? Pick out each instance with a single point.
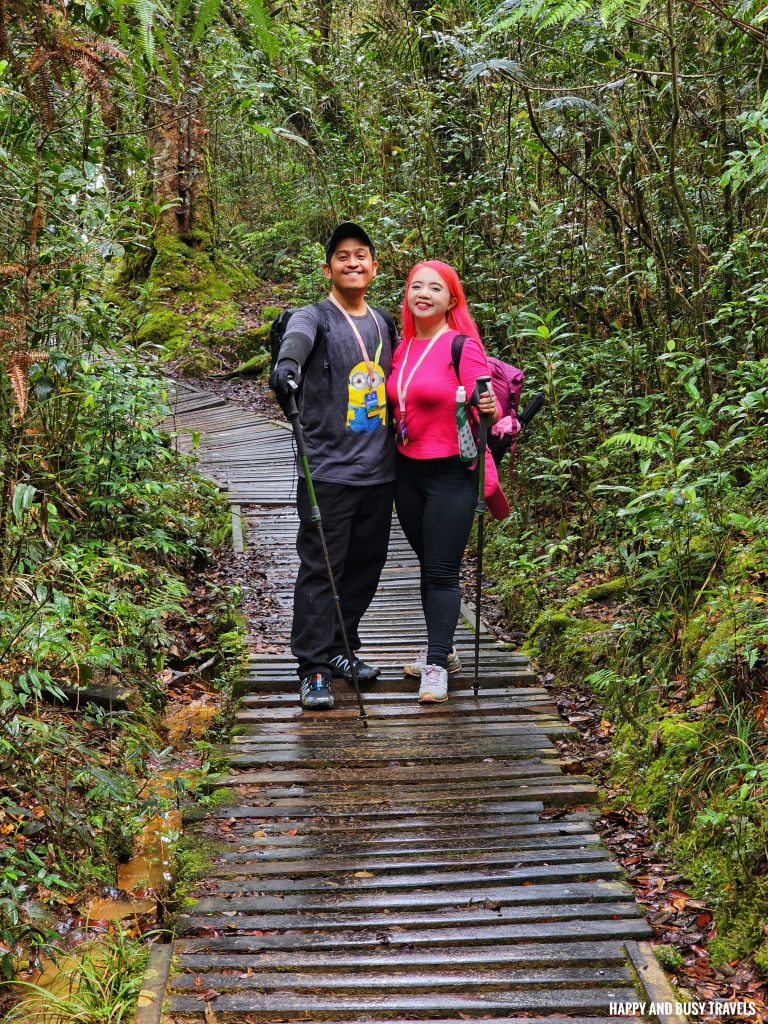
(363, 874)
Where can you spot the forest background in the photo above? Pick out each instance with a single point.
(596, 172)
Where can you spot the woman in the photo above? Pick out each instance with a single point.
(435, 492)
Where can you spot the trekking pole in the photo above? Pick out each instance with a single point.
(480, 510)
(298, 433)
(524, 418)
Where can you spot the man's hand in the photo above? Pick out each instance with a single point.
(287, 370)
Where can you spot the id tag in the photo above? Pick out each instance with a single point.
(371, 404)
(403, 432)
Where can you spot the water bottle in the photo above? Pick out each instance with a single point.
(467, 446)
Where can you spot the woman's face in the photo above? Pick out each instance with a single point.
(428, 297)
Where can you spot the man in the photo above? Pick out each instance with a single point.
(340, 351)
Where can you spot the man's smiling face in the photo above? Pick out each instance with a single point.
(352, 266)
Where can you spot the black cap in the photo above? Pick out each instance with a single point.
(347, 230)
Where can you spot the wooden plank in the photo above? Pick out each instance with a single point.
(656, 986)
(149, 1005)
(565, 1000)
(576, 871)
(523, 954)
(435, 980)
(478, 914)
(598, 891)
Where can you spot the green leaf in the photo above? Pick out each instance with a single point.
(23, 496)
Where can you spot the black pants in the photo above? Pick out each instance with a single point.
(435, 501)
(356, 522)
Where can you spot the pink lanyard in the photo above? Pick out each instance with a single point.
(366, 358)
(402, 389)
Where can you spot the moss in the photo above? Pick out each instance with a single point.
(193, 858)
(570, 646)
(740, 923)
(670, 958)
(224, 797)
(720, 639)
(163, 327)
(610, 590)
(253, 367)
(268, 314)
(761, 959)
(667, 750)
(196, 272)
(197, 361)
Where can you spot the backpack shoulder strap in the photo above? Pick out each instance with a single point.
(457, 347)
(390, 322)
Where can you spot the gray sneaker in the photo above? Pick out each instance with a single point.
(417, 666)
(434, 684)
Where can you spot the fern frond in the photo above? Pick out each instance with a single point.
(615, 13)
(563, 12)
(207, 13)
(19, 378)
(145, 15)
(629, 440)
(260, 19)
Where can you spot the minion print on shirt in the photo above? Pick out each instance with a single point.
(367, 408)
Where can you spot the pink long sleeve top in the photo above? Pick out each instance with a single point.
(430, 398)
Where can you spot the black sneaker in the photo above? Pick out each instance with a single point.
(316, 692)
(365, 673)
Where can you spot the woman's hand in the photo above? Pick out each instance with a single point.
(486, 405)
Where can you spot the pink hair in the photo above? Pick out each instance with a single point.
(458, 317)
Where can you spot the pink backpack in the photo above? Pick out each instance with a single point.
(507, 381)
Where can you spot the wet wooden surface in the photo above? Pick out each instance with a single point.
(437, 866)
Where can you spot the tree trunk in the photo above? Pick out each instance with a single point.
(178, 138)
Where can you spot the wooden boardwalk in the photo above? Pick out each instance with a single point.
(438, 866)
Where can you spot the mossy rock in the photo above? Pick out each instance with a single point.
(255, 367)
(253, 341)
(610, 590)
(570, 646)
(162, 326)
(197, 361)
(195, 272)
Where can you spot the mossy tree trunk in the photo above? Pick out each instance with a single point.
(178, 137)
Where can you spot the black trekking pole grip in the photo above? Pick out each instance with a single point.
(534, 406)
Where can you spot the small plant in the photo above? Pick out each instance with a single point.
(96, 984)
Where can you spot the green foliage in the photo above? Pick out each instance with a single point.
(102, 985)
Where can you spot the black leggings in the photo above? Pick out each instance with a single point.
(435, 501)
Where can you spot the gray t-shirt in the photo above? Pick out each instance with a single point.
(345, 421)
